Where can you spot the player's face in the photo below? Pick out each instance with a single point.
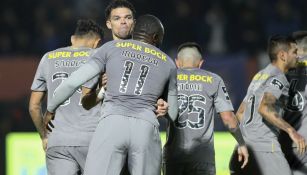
(292, 56)
(121, 23)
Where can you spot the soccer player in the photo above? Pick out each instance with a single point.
(120, 15)
(261, 110)
(295, 113)
(69, 141)
(138, 73)
(120, 18)
(189, 148)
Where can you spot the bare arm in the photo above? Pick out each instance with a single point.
(240, 111)
(90, 95)
(268, 112)
(35, 109)
(231, 123)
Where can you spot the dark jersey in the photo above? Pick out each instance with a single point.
(294, 113)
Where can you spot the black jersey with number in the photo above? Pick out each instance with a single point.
(294, 113)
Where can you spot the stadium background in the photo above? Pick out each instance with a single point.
(233, 34)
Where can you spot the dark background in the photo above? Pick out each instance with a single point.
(233, 34)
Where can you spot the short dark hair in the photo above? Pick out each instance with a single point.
(88, 27)
(118, 4)
(277, 43)
(150, 29)
(190, 44)
(298, 35)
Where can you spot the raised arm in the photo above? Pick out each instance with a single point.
(92, 96)
(269, 113)
(69, 86)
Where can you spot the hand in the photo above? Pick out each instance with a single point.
(44, 143)
(243, 155)
(103, 81)
(299, 141)
(162, 107)
(47, 121)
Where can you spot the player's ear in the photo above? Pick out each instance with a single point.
(108, 23)
(155, 39)
(200, 63)
(282, 55)
(97, 43)
(178, 63)
(73, 39)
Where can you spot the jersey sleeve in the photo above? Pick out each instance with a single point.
(277, 86)
(100, 56)
(40, 80)
(222, 100)
(172, 98)
(92, 82)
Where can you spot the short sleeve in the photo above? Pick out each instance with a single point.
(40, 80)
(277, 86)
(222, 100)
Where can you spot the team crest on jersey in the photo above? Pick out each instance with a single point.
(296, 103)
(277, 83)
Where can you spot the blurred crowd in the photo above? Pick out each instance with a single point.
(220, 26)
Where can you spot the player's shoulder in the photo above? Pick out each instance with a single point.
(171, 62)
(212, 74)
(278, 75)
(107, 46)
(276, 78)
(51, 52)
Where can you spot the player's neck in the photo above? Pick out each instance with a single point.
(189, 67)
(280, 66)
(79, 43)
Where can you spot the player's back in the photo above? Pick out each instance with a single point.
(200, 95)
(256, 130)
(73, 124)
(137, 76)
